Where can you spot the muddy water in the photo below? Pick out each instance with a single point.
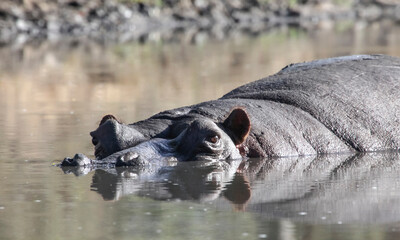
(53, 93)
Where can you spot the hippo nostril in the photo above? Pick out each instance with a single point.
(67, 162)
(78, 160)
(95, 141)
(120, 161)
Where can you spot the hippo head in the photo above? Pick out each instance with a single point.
(202, 139)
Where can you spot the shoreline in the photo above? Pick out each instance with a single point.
(124, 20)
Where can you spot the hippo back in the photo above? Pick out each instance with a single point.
(356, 98)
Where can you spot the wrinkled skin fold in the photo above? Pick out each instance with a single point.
(345, 104)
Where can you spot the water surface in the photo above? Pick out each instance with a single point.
(53, 93)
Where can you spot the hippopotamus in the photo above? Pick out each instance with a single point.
(334, 105)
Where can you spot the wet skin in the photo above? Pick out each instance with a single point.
(202, 139)
(345, 104)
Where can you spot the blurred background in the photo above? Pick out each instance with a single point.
(66, 63)
(63, 61)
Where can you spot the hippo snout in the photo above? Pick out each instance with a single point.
(78, 160)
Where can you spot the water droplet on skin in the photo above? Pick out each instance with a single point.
(245, 234)
(148, 213)
(38, 200)
(302, 213)
(262, 235)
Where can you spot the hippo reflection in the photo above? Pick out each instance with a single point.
(344, 104)
(321, 188)
(196, 181)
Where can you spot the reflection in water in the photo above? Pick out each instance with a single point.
(53, 93)
(344, 189)
(199, 181)
(361, 188)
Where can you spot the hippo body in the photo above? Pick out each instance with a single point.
(344, 104)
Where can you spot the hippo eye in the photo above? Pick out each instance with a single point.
(213, 139)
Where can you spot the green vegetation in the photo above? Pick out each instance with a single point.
(344, 3)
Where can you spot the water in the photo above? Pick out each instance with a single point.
(52, 94)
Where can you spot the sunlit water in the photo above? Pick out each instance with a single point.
(52, 94)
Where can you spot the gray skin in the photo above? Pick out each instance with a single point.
(345, 104)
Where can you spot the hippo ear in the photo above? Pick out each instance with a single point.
(237, 125)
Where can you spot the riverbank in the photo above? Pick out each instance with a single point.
(132, 19)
